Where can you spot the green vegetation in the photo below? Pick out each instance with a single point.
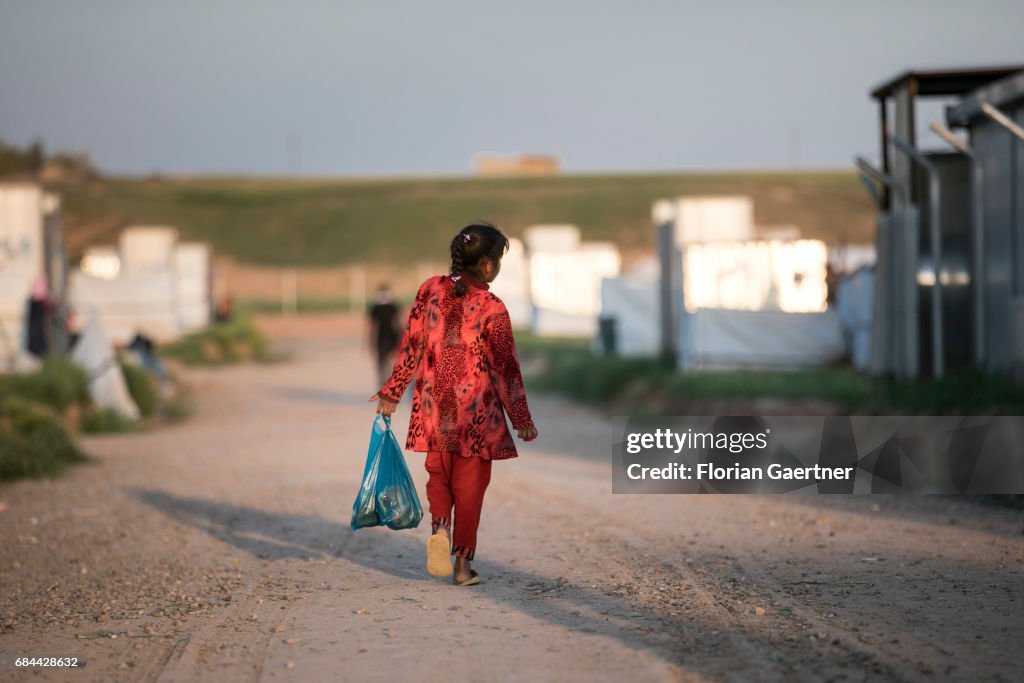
(143, 388)
(962, 392)
(33, 441)
(58, 384)
(334, 222)
(222, 344)
(645, 386)
(27, 163)
(309, 304)
(17, 161)
(107, 421)
(40, 410)
(304, 305)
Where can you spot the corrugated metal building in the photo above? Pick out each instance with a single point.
(948, 240)
(989, 115)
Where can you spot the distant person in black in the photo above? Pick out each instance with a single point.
(384, 331)
(37, 314)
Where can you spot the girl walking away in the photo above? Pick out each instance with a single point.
(458, 346)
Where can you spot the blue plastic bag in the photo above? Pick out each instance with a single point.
(387, 496)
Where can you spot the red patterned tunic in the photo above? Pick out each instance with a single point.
(461, 352)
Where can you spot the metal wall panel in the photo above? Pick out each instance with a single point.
(955, 205)
(993, 146)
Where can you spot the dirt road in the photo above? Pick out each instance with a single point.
(220, 549)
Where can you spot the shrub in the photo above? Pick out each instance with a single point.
(33, 442)
(233, 342)
(105, 420)
(143, 388)
(59, 383)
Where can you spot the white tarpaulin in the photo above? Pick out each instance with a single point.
(758, 275)
(847, 258)
(101, 262)
(633, 304)
(15, 283)
(153, 285)
(192, 278)
(552, 238)
(94, 354)
(512, 285)
(713, 219)
(148, 249)
(133, 302)
(21, 258)
(854, 303)
(728, 338)
(566, 288)
(21, 224)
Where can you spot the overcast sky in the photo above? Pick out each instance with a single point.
(411, 87)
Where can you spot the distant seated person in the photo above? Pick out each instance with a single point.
(145, 349)
(225, 309)
(384, 331)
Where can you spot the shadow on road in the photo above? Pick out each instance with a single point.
(713, 650)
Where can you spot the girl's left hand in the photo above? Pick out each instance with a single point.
(528, 434)
(385, 406)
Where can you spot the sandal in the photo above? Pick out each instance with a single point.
(473, 579)
(438, 560)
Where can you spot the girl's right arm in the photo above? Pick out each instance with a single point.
(409, 351)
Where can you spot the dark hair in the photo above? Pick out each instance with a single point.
(474, 243)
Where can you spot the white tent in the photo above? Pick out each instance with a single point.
(847, 258)
(152, 284)
(711, 219)
(192, 279)
(21, 224)
(133, 302)
(565, 287)
(94, 354)
(15, 282)
(148, 249)
(720, 338)
(756, 275)
(854, 304)
(512, 285)
(22, 210)
(633, 304)
(551, 238)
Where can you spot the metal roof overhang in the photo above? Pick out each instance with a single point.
(944, 82)
(998, 94)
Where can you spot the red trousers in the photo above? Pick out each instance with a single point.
(457, 482)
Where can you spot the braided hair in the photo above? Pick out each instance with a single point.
(474, 243)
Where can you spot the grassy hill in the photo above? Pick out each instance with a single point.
(333, 222)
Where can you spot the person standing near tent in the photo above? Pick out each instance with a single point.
(458, 345)
(37, 316)
(384, 331)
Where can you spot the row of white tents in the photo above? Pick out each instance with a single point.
(551, 281)
(719, 292)
(151, 283)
